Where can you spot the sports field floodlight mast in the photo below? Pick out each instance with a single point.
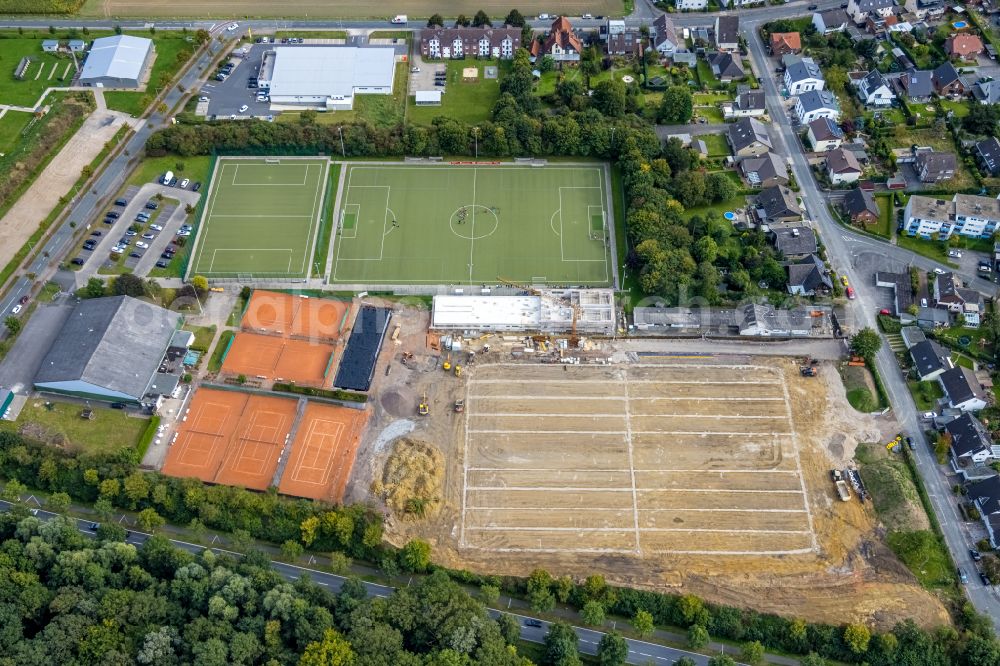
(475, 136)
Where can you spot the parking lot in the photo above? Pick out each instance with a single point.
(170, 217)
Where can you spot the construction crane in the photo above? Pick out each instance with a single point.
(505, 282)
(422, 409)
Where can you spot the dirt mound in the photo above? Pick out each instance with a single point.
(399, 403)
(412, 480)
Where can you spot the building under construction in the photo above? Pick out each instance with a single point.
(590, 311)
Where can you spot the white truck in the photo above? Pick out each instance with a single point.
(399, 19)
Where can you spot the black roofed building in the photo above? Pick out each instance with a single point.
(962, 389)
(777, 204)
(809, 277)
(986, 496)
(764, 171)
(987, 153)
(111, 349)
(969, 440)
(748, 137)
(929, 360)
(860, 207)
(794, 241)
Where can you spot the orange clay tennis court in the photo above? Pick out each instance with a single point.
(288, 315)
(273, 358)
(231, 438)
(323, 452)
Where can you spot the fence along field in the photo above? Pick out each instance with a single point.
(694, 459)
(475, 225)
(260, 218)
(227, 9)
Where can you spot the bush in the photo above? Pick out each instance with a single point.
(333, 394)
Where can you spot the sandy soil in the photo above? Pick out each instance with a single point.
(23, 218)
(565, 500)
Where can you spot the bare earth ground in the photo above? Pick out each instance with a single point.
(708, 476)
(23, 218)
(228, 9)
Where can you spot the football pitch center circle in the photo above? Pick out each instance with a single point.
(485, 225)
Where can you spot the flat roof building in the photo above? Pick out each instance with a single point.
(117, 62)
(551, 310)
(110, 349)
(326, 77)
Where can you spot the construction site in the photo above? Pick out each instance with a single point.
(705, 472)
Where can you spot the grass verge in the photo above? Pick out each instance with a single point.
(215, 362)
(60, 424)
(322, 248)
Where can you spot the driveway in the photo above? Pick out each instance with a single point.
(694, 129)
(170, 226)
(424, 79)
(19, 367)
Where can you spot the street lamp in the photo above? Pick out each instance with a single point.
(475, 136)
(342, 150)
(612, 139)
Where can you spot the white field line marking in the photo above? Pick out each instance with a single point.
(522, 528)
(618, 416)
(637, 469)
(798, 465)
(605, 489)
(604, 382)
(472, 232)
(625, 508)
(605, 551)
(265, 216)
(465, 471)
(606, 398)
(562, 229)
(622, 432)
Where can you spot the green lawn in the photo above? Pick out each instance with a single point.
(46, 70)
(978, 342)
(109, 431)
(739, 201)
(12, 124)
(883, 227)
(940, 141)
(151, 168)
(894, 495)
(711, 98)
(466, 102)
(860, 388)
(172, 53)
(215, 362)
(716, 144)
(925, 394)
(963, 361)
(929, 248)
(460, 225)
(260, 217)
(203, 336)
(712, 114)
(705, 75)
(960, 109)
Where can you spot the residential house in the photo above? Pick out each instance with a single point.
(930, 360)
(458, 43)
(842, 167)
(910, 335)
(777, 204)
(970, 440)
(860, 207)
(923, 9)
(877, 25)
(793, 240)
(748, 137)
(948, 82)
(933, 167)
(664, 38)
(691, 5)
(985, 495)
(986, 92)
(727, 33)
(824, 134)
(701, 37)
(726, 66)
(809, 277)
(802, 74)
(614, 27)
(814, 104)
(874, 90)
(767, 321)
(830, 21)
(764, 171)
(628, 43)
(963, 45)
(924, 216)
(784, 43)
(858, 10)
(947, 292)
(930, 318)
(561, 43)
(962, 390)
(749, 104)
(976, 216)
(684, 57)
(917, 85)
(857, 146)
(987, 154)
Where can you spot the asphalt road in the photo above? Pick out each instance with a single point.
(840, 246)
(640, 652)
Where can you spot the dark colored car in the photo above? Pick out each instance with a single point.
(811, 8)
(93, 527)
(161, 264)
(975, 554)
(197, 186)
(24, 299)
(984, 578)
(909, 443)
(96, 233)
(121, 202)
(112, 214)
(532, 623)
(118, 405)
(152, 205)
(108, 220)
(135, 255)
(77, 261)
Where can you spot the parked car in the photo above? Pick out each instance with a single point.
(197, 186)
(112, 214)
(152, 205)
(15, 309)
(884, 311)
(118, 405)
(244, 108)
(202, 99)
(24, 299)
(141, 244)
(149, 236)
(183, 233)
(415, 70)
(96, 233)
(129, 232)
(135, 255)
(121, 202)
(939, 271)
(77, 261)
(929, 415)
(184, 183)
(983, 577)
(975, 555)
(161, 264)
(156, 227)
(850, 293)
(961, 576)
(166, 255)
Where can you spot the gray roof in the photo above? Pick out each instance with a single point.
(115, 343)
(663, 26)
(968, 435)
(801, 69)
(750, 100)
(987, 492)
(912, 335)
(858, 201)
(946, 74)
(119, 57)
(685, 57)
(814, 100)
(793, 239)
(842, 161)
(947, 287)
(330, 70)
(936, 315)
(833, 18)
(937, 163)
(810, 274)
(869, 5)
(960, 384)
(929, 357)
(728, 30)
(917, 83)
(726, 65)
(767, 166)
(768, 318)
(777, 202)
(824, 129)
(746, 131)
(987, 92)
(901, 294)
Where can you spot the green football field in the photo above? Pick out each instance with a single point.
(260, 218)
(473, 225)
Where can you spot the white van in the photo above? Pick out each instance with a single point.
(399, 19)
(167, 177)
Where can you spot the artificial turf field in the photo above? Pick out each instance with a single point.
(260, 218)
(473, 225)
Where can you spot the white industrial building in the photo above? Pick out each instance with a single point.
(325, 78)
(117, 62)
(550, 310)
